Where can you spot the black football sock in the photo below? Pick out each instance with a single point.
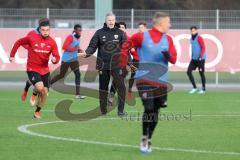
(145, 124)
(153, 123)
(131, 82)
(77, 81)
(38, 109)
(145, 128)
(191, 78)
(202, 75)
(152, 126)
(112, 89)
(27, 86)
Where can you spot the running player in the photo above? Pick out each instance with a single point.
(28, 82)
(70, 59)
(41, 47)
(155, 48)
(197, 61)
(142, 26)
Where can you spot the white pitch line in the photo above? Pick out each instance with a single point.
(24, 129)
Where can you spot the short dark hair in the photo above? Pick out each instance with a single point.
(44, 22)
(142, 23)
(122, 23)
(193, 27)
(77, 26)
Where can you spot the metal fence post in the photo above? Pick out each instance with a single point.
(216, 79)
(217, 28)
(132, 18)
(47, 13)
(29, 24)
(217, 19)
(200, 25)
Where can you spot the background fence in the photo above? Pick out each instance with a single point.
(65, 18)
(180, 19)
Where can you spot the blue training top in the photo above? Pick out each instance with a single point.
(196, 49)
(71, 56)
(152, 63)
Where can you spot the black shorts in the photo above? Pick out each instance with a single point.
(194, 64)
(35, 77)
(152, 96)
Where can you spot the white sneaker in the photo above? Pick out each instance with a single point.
(149, 146)
(201, 92)
(80, 97)
(194, 90)
(144, 146)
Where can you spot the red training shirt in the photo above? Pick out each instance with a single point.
(40, 50)
(156, 36)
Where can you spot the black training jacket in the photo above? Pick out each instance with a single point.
(109, 43)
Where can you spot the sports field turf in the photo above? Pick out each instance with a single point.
(174, 77)
(209, 131)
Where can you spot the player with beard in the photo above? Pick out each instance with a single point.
(28, 82)
(197, 61)
(41, 47)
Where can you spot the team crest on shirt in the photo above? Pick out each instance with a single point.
(103, 38)
(42, 45)
(116, 36)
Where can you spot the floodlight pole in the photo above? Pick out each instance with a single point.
(102, 7)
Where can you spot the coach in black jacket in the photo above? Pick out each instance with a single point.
(108, 40)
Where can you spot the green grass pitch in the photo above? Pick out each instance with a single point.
(212, 133)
